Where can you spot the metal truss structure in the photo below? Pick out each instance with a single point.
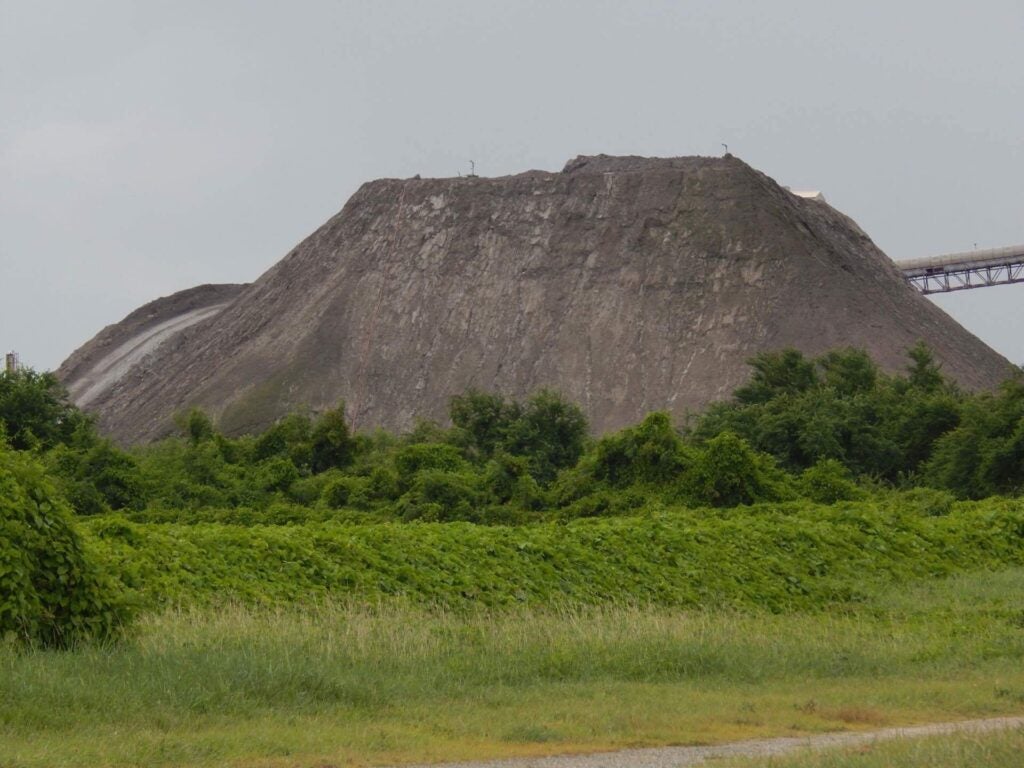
(962, 271)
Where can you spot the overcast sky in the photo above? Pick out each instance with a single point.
(146, 147)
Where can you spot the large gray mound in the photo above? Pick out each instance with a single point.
(628, 284)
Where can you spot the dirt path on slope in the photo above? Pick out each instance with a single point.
(677, 757)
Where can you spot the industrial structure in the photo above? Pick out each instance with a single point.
(968, 269)
(12, 363)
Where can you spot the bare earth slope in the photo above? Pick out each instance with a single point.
(628, 284)
(117, 348)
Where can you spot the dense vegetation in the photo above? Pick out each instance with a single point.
(773, 557)
(827, 429)
(508, 584)
(307, 507)
(50, 590)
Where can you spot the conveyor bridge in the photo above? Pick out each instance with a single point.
(969, 269)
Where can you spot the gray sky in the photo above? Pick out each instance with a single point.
(146, 147)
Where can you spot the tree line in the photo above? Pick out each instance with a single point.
(828, 428)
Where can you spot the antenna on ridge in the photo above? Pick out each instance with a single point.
(472, 169)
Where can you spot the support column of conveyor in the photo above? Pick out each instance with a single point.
(969, 269)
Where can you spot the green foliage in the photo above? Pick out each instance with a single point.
(777, 374)
(50, 590)
(828, 482)
(801, 428)
(774, 556)
(275, 474)
(550, 432)
(927, 502)
(726, 472)
(332, 445)
(196, 426)
(483, 422)
(35, 411)
(290, 438)
(650, 452)
(348, 492)
(603, 503)
(984, 455)
(412, 459)
(508, 480)
(923, 373)
(840, 407)
(438, 495)
(98, 478)
(849, 371)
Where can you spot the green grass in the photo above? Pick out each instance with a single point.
(964, 750)
(338, 683)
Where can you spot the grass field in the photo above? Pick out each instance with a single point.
(987, 750)
(338, 684)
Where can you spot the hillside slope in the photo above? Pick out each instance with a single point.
(629, 284)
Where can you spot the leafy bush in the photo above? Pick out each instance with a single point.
(840, 406)
(482, 422)
(347, 492)
(604, 503)
(793, 555)
(438, 495)
(827, 482)
(98, 478)
(726, 472)
(331, 445)
(984, 455)
(550, 432)
(650, 452)
(35, 411)
(926, 501)
(275, 474)
(412, 459)
(289, 438)
(50, 590)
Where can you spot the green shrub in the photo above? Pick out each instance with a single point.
(508, 481)
(827, 482)
(347, 492)
(437, 495)
(275, 474)
(925, 501)
(382, 484)
(331, 444)
(785, 556)
(195, 425)
(50, 590)
(604, 503)
(650, 452)
(412, 459)
(727, 472)
(309, 490)
(289, 438)
(482, 422)
(35, 412)
(550, 432)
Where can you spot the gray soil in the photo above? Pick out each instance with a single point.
(676, 757)
(116, 349)
(628, 284)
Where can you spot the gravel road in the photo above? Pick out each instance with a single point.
(677, 757)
